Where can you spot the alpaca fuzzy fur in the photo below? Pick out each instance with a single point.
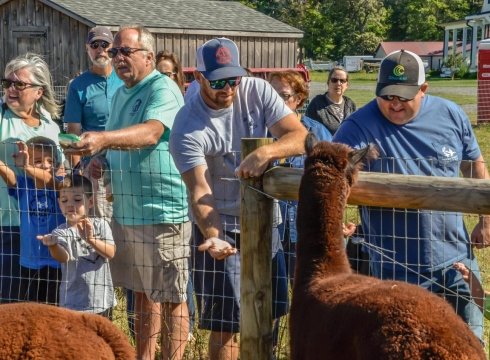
(336, 314)
(37, 331)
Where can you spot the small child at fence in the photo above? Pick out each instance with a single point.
(480, 296)
(84, 246)
(34, 188)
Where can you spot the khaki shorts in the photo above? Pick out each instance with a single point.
(153, 259)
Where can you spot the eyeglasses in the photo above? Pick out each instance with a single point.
(169, 73)
(18, 85)
(286, 96)
(337, 80)
(96, 44)
(392, 97)
(221, 83)
(126, 51)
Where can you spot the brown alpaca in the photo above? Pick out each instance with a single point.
(37, 331)
(336, 314)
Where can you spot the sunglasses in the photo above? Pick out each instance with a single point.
(126, 51)
(337, 80)
(286, 96)
(18, 85)
(97, 44)
(392, 97)
(169, 73)
(221, 83)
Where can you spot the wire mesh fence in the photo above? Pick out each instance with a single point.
(164, 263)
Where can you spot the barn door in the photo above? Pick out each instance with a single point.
(29, 39)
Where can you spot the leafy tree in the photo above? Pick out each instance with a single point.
(458, 65)
(360, 25)
(421, 19)
(334, 28)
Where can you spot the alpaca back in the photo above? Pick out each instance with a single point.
(339, 315)
(38, 331)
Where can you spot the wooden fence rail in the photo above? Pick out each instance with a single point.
(394, 190)
(374, 189)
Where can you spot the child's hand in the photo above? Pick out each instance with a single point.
(463, 270)
(21, 158)
(48, 240)
(86, 229)
(95, 168)
(348, 229)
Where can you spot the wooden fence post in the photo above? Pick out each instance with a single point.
(256, 270)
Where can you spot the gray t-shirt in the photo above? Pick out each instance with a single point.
(204, 136)
(86, 283)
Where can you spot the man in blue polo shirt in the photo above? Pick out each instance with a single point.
(89, 99)
(419, 134)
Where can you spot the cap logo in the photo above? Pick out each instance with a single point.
(223, 55)
(398, 70)
(398, 73)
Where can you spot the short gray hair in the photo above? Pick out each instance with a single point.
(40, 75)
(145, 38)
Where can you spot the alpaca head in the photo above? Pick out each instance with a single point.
(330, 162)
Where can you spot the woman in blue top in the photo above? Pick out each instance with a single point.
(28, 109)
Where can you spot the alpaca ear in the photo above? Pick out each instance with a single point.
(310, 142)
(367, 153)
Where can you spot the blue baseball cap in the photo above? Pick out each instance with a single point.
(219, 59)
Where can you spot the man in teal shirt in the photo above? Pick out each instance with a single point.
(150, 226)
(89, 99)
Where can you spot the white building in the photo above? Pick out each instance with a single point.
(470, 31)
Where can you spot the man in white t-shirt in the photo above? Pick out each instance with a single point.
(205, 144)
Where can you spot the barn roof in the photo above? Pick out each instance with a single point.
(176, 16)
(421, 48)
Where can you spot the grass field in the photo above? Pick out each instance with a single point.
(361, 90)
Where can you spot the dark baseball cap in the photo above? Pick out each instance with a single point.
(401, 74)
(219, 59)
(99, 33)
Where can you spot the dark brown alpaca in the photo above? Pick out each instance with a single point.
(38, 331)
(336, 314)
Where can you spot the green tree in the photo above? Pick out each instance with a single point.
(421, 19)
(334, 28)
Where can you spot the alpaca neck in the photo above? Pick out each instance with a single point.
(321, 244)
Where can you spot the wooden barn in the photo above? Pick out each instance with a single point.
(58, 28)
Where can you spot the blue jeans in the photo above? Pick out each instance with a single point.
(217, 286)
(449, 282)
(9, 264)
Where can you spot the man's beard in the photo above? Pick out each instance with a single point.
(100, 61)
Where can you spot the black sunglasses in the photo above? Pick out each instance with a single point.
(221, 83)
(392, 97)
(18, 85)
(126, 51)
(336, 80)
(96, 44)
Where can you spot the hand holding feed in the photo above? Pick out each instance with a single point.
(217, 248)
